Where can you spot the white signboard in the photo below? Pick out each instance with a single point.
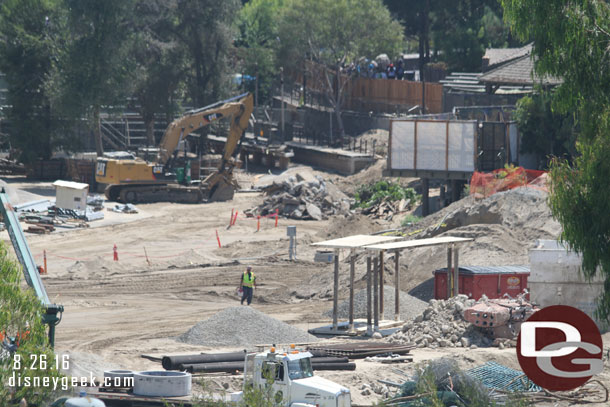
(438, 145)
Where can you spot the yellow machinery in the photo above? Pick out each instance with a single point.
(131, 179)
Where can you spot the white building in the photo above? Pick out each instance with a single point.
(71, 195)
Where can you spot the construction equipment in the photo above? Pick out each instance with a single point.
(502, 316)
(132, 180)
(53, 312)
(292, 380)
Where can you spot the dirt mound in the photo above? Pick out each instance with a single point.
(353, 224)
(242, 326)
(504, 226)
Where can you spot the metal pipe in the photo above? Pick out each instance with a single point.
(172, 362)
(369, 325)
(376, 294)
(396, 286)
(381, 267)
(336, 292)
(352, 274)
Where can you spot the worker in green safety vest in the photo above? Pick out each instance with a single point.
(247, 285)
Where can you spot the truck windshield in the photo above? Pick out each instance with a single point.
(299, 368)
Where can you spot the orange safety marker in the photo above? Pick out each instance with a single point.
(277, 213)
(115, 253)
(231, 220)
(218, 239)
(258, 223)
(235, 218)
(44, 252)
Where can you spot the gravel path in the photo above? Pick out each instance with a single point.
(410, 307)
(243, 326)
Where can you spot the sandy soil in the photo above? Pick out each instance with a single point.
(171, 274)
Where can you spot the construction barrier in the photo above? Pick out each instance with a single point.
(486, 184)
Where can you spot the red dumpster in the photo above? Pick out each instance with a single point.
(493, 281)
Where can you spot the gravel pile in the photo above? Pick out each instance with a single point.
(442, 325)
(410, 307)
(242, 326)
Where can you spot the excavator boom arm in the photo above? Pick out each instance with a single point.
(240, 108)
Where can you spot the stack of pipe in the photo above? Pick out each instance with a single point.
(234, 362)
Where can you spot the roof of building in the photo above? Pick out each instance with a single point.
(70, 184)
(520, 71)
(496, 56)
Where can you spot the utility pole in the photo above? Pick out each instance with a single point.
(282, 101)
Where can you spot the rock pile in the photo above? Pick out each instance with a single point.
(442, 325)
(298, 198)
(243, 326)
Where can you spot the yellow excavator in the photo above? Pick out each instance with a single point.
(134, 180)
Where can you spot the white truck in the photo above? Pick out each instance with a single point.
(290, 378)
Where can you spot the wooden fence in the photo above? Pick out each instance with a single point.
(377, 95)
(389, 94)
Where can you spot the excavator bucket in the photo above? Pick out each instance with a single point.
(222, 191)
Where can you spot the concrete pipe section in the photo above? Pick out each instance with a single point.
(162, 384)
(118, 378)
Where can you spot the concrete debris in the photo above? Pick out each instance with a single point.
(442, 324)
(127, 208)
(386, 209)
(301, 199)
(243, 326)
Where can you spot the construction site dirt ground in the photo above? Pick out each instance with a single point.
(171, 274)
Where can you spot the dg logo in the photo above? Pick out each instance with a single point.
(560, 348)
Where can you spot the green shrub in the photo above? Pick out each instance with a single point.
(372, 194)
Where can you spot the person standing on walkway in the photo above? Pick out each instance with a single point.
(247, 285)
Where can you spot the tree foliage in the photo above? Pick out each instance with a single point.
(160, 63)
(334, 33)
(258, 35)
(453, 31)
(26, 49)
(205, 30)
(544, 132)
(94, 66)
(571, 41)
(21, 318)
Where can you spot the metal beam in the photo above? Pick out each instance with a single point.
(336, 291)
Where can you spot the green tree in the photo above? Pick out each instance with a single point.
(26, 49)
(258, 22)
(21, 318)
(334, 33)
(94, 67)
(544, 132)
(160, 63)
(206, 29)
(571, 41)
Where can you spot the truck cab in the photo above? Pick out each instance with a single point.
(292, 382)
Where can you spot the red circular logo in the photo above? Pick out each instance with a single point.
(560, 348)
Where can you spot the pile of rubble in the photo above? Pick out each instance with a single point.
(442, 324)
(387, 208)
(298, 198)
